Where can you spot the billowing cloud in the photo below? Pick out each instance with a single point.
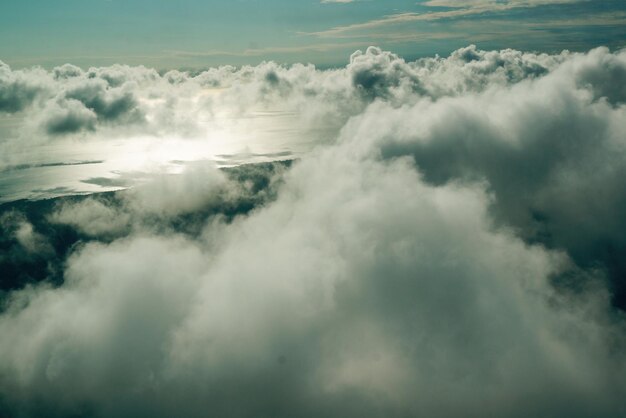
(68, 116)
(551, 149)
(316, 304)
(18, 89)
(453, 249)
(71, 100)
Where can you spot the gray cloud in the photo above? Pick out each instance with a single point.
(67, 71)
(68, 116)
(68, 100)
(113, 107)
(550, 150)
(18, 89)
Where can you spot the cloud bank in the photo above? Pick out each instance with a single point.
(120, 100)
(453, 249)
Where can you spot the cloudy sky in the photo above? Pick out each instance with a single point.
(336, 209)
(199, 33)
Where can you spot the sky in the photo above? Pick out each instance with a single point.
(168, 34)
(427, 221)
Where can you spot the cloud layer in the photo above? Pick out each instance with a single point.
(452, 249)
(68, 100)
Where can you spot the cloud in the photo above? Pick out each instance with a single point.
(316, 304)
(68, 116)
(24, 234)
(180, 202)
(68, 100)
(67, 71)
(454, 10)
(548, 148)
(453, 249)
(92, 217)
(18, 89)
(27, 254)
(259, 52)
(493, 3)
(126, 102)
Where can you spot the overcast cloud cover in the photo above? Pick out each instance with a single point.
(453, 246)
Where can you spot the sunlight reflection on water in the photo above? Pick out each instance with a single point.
(92, 165)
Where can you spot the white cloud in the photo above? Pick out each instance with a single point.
(441, 256)
(456, 9)
(496, 4)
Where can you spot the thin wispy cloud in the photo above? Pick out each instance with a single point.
(458, 9)
(256, 52)
(494, 3)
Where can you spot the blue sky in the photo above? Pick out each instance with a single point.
(196, 33)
